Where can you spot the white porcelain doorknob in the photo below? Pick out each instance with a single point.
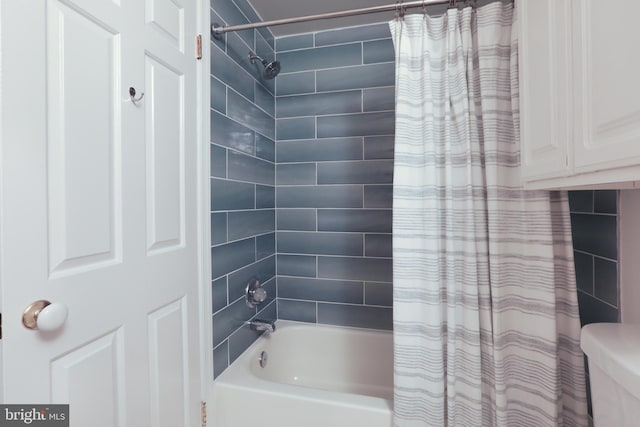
(45, 316)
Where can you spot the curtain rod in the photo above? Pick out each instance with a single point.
(384, 8)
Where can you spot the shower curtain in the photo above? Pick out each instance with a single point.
(486, 327)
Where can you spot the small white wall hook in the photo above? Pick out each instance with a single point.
(132, 94)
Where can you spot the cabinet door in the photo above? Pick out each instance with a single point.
(607, 94)
(545, 88)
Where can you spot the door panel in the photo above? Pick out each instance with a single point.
(104, 404)
(169, 349)
(84, 140)
(165, 135)
(167, 18)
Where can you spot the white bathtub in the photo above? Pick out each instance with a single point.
(316, 376)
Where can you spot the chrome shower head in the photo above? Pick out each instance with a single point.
(271, 69)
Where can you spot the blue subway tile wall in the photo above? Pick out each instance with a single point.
(379, 99)
(335, 102)
(354, 34)
(361, 171)
(265, 148)
(301, 174)
(249, 114)
(357, 316)
(355, 220)
(378, 196)
(378, 147)
(378, 294)
(232, 15)
(301, 183)
(294, 42)
(594, 226)
(362, 124)
(296, 219)
(359, 76)
(301, 242)
(319, 196)
(296, 173)
(319, 104)
(300, 311)
(295, 128)
(302, 171)
(297, 265)
(297, 83)
(318, 150)
(321, 290)
(242, 180)
(321, 57)
(377, 51)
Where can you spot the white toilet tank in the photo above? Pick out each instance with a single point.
(613, 350)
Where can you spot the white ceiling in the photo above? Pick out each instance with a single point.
(278, 9)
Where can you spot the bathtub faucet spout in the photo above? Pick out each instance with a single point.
(262, 325)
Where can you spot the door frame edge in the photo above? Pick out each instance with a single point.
(204, 202)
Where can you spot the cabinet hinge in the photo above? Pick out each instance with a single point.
(203, 413)
(199, 47)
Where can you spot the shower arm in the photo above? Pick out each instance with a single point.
(253, 56)
(271, 69)
(398, 7)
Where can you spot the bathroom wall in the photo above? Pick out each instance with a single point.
(334, 151)
(323, 190)
(629, 248)
(242, 180)
(594, 225)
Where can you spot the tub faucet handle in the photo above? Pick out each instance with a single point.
(254, 293)
(259, 295)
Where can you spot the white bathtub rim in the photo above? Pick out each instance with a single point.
(335, 398)
(238, 375)
(291, 324)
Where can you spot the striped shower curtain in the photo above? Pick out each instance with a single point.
(486, 328)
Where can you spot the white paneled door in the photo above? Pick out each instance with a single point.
(98, 208)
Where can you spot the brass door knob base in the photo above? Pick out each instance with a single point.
(44, 316)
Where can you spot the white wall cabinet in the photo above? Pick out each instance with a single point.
(579, 93)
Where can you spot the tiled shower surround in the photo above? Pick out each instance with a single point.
(242, 180)
(594, 223)
(594, 226)
(301, 176)
(334, 153)
(321, 193)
